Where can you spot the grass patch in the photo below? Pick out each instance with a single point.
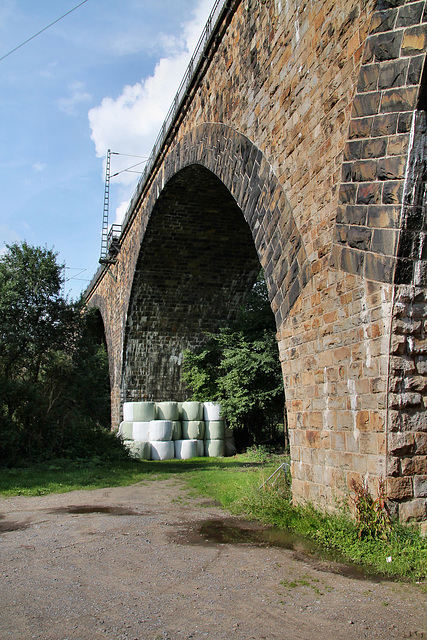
(401, 554)
(235, 483)
(61, 476)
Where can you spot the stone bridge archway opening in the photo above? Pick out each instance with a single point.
(97, 346)
(196, 263)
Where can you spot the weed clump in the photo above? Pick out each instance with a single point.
(372, 517)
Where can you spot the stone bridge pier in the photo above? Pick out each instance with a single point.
(298, 145)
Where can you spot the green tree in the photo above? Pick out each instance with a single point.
(54, 388)
(239, 367)
(32, 312)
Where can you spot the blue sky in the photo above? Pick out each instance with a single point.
(103, 77)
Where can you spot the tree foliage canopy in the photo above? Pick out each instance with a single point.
(239, 367)
(54, 387)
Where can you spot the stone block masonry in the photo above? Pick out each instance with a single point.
(300, 147)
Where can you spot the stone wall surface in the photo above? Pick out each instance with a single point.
(301, 148)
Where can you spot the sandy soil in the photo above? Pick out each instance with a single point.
(136, 563)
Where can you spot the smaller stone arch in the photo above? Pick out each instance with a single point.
(98, 301)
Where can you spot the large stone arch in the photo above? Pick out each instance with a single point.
(218, 200)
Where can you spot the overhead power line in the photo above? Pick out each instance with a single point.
(129, 169)
(42, 30)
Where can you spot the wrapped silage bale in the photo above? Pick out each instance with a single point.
(167, 411)
(144, 450)
(138, 450)
(212, 411)
(214, 429)
(125, 430)
(160, 430)
(128, 411)
(193, 429)
(141, 431)
(200, 448)
(162, 449)
(139, 411)
(191, 411)
(214, 448)
(144, 411)
(176, 430)
(185, 449)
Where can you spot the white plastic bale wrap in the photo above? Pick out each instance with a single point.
(167, 411)
(161, 430)
(138, 450)
(141, 431)
(200, 448)
(162, 450)
(144, 411)
(176, 430)
(139, 411)
(215, 448)
(144, 450)
(191, 411)
(185, 449)
(212, 411)
(128, 411)
(193, 429)
(125, 430)
(215, 430)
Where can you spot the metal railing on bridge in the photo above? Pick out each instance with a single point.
(179, 98)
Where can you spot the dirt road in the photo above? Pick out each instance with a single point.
(136, 563)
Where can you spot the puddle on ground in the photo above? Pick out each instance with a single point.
(8, 525)
(213, 532)
(83, 509)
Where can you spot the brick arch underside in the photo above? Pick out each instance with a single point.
(197, 261)
(220, 215)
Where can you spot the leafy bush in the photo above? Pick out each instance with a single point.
(54, 382)
(239, 367)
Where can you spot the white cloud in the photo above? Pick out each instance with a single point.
(78, 97)
(129, 124)
(121, 211)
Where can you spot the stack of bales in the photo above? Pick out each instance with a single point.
(214, 430)
(166, 430)
(193, 431)
(219, 439)
(135, 428)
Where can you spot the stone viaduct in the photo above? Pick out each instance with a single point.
(298, 145)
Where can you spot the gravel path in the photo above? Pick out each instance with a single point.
(133, 563)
